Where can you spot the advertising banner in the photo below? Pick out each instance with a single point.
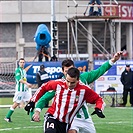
(125, 11)
(52, 68)
(112, 76)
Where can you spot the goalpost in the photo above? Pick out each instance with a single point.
(7, 80)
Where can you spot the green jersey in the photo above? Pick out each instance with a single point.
(20, 73)
(86, 78)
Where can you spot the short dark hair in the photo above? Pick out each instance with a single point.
(67, 63)
(73, 72)
(21, 59)
(42, 67)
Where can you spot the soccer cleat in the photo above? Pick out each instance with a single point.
(32, 120)
(7, 119)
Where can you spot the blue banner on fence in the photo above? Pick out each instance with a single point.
(111, 71)
(54, 69)
(112, 76)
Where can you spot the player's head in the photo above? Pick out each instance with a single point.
(21, 62)
(66, 64)
(72, 77)
(42, 67)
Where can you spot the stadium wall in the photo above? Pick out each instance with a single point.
(35, 12)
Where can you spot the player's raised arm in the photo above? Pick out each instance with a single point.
(93, 75)
(116, 56)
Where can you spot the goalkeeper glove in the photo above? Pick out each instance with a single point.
(30, 107)
(99, 113)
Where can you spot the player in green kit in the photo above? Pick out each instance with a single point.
(22, 93)
(82, 121)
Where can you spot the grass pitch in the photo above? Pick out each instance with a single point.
(118, 120)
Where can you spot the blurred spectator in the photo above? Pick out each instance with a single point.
(43, 52)
(91, 11)
(127, 81)
(42, 77)
(54, 58)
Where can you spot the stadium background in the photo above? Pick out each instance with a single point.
(19, 23)
(19, 20)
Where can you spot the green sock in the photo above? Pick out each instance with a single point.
(31, 114)
(10, 112)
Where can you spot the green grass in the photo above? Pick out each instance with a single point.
(21, 122)
(6, 101)
(118, 120)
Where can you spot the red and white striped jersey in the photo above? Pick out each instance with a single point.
(67, 102)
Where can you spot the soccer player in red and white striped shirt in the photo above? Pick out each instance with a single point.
(69, 98)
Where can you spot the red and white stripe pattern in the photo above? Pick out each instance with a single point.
(67, 102)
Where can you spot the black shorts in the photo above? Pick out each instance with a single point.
(54, 126)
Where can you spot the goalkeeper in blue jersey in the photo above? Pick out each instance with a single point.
(22, 93)
(82, 122)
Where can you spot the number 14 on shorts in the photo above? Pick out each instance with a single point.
(49, 125)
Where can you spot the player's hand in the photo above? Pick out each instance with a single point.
(29, 85)
(99, 113)
(30, 107)
(36, 116)
(117, 56)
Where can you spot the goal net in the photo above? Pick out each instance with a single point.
(7, 80)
